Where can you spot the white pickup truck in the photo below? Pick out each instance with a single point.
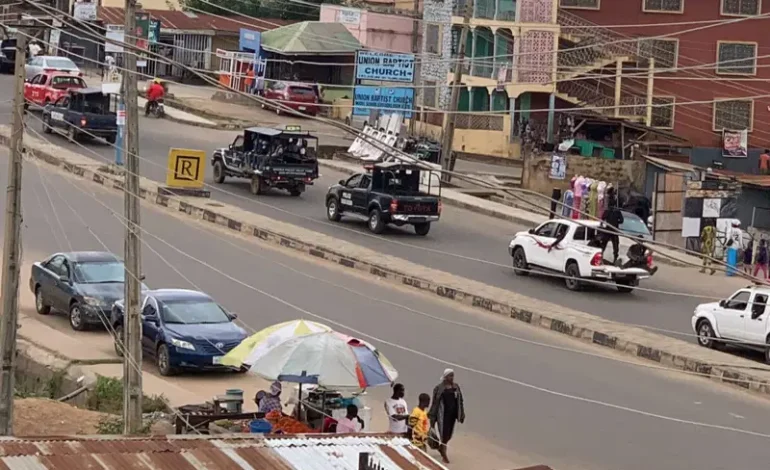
(740, 319)
(572, 256)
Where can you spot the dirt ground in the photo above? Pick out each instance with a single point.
(44, 417)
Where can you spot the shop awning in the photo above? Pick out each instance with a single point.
(311, 38)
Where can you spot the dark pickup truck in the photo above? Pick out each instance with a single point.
(83, 113)
(388, 194)
(270, 158)
(7, 55)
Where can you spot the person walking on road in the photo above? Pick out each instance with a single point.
(748, 258)
(762, 259)
(707, 248)
(613, 218)
(764, 163)
(446, 409)
(396, 409)
(419, 424)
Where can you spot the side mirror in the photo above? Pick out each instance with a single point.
(64, 279)
(142, 277)
(531, 231)
(342, 182)
(233, 316)
(722, 303)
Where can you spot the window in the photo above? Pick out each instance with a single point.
(455, 41)
(663, 6)
(735, 115)
(366, 180)
(56, 266)
(758, 306)
(354, 181)
(739, 301)
(99, 272)
(663, 111)
(433, 39)
(587, 4)
(546, 230)
(582, 231)
(741, 7)
(737, 58)
(665, 51)
(429, 95)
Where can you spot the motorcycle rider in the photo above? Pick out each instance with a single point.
(155, 94)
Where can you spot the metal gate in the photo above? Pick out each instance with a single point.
(192, 50)
(667, 202)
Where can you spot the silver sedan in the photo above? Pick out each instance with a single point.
(41, 64)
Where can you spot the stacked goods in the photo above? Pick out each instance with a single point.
(286, 424)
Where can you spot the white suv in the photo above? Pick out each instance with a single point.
(741, 319)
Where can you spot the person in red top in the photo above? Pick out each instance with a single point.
(764, 163)
(154, 94)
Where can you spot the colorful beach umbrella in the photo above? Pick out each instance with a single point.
(331, 360)
(253, 347)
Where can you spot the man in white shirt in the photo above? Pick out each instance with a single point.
(351, 423)
(34, 49)
(396, 408)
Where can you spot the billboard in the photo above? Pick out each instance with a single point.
(383, 66)
(249, 39)
(366, 98)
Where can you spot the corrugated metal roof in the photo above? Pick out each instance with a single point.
(237, 452)
(186, 21)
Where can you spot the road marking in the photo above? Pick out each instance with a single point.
(736, 416)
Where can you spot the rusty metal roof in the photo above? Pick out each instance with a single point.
(236, 452)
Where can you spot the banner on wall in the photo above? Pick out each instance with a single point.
(383, 99)
(735, 144)
(383, 66)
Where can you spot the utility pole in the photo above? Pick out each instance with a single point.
(417, 67)
(447, 159)
(12, 246)
(132, 356)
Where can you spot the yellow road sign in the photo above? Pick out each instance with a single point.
(185, 168)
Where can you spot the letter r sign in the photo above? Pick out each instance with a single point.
(185, 168)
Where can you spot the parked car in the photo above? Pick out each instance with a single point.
(46, 88)
(741, 319)
(7, 55)
(84, 284)
(634, 226)
(297, 96)
(183, 330)
(45, 63)
(84, 112)
(569, 248)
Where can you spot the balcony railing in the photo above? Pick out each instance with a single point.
(481, 122)
(482, 67)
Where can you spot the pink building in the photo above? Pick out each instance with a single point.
(376, 31)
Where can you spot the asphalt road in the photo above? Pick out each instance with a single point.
(514, 422)
(462, 243)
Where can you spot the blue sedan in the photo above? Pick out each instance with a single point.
(182, 329)
(84, 284)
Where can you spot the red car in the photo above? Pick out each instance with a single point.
(297, 96)
(48, 87)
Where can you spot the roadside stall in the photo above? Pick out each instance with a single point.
(234, 65)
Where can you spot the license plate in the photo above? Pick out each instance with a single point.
(418, 219)
(302, 108)
(217, 360)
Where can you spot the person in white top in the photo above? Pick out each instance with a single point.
(34, 49)
(351, 423)
(396, 409)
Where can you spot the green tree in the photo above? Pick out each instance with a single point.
(300, 10)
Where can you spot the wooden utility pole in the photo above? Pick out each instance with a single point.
(12, 246)
(132, 323)
(449, 120)
(417, 66)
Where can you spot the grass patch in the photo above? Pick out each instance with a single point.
(107, 397)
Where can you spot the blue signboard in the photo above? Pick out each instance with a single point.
(366, 98)
(249, 40)
(382, 66)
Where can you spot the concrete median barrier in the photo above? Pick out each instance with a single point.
(669, 352)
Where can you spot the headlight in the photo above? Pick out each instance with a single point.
(92, 301)
(182, 344)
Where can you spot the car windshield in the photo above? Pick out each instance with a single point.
(99, 272)
(60, 63)
(633, 224)
(67, 82)
(301, 91)
(192, 311)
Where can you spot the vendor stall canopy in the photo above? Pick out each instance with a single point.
(303, 39)
(297, 452)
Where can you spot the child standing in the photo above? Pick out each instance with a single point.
(419, 424)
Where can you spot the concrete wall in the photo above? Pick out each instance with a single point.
(436, 67)
(477, 142)
(621, 173)
(375, 30)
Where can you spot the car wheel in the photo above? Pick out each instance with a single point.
(572, 280)
(40, 305)
(163, 361)
(625, 287)
(256, 185)
(46, 125)
(767, 350)
(520, 265)
(119, 340)
(376, 225)
(706, 335)
(77, 322)
(111, 139)
(295, 192)
(219, 172)
(333, 210)
(422, 229)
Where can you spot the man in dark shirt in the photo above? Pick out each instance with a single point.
(612, 218)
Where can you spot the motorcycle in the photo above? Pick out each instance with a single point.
(156, 109)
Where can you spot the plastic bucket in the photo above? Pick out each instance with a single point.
(260, 426)
(234, 407)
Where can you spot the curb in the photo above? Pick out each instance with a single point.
(449, 201)
(573, 327)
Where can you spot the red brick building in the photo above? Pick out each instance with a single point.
(713, 50)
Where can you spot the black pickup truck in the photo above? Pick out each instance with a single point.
(270, 158)
(388, 194)
(7, 55)
(83, 113)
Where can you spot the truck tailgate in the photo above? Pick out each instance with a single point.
(615, 270)
(100, 121)
(295, 171)
(417, 206)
